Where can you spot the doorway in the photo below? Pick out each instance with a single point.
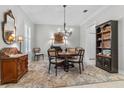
(90, 45)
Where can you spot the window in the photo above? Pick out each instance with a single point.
(27, 39)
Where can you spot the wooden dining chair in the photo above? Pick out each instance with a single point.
(71, 50)
(79, 58)
(54, 59)
(37, 53)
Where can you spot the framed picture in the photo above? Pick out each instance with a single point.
(58, 38)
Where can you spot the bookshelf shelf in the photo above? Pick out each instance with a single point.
(104, 56)
(106, 39)
(99, 47)
(106, 32)
(99, 33)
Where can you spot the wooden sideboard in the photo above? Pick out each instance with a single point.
(13, 68)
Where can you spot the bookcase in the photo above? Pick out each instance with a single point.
(107, 46)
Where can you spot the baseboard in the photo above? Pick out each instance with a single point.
(121, 71)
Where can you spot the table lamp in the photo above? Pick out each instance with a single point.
(20, 40)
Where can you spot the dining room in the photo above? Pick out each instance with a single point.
(66, 45)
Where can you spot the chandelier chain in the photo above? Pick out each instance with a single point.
(64, 17)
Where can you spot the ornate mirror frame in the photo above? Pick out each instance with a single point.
(9, 28)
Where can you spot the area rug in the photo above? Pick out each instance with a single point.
(38, 77)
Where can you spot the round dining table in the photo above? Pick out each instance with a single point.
(66, 56)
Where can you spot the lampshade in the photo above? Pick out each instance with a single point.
(20, 38)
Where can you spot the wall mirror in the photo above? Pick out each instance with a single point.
(9, 28)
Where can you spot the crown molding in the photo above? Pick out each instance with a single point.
(94, 14)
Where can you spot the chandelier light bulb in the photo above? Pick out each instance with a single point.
(59, 29)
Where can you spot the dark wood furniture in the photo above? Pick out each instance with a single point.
(67, 55)
(78, 59)
(13, 66)
(107, 46)
(37, 53)
(57, 48)
(54, 59)
(71, 50)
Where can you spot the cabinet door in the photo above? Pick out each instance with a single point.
(0, 69)
(8, 71)
(107, 64)
(19, 68)
(99, 62)
(24, 63)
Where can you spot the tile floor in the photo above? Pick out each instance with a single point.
(114, 84)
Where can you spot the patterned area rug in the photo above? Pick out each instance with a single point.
(38, 77)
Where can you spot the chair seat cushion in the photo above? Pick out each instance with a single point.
(58, 60)
(38, 53)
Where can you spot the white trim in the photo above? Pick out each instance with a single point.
(121, 71)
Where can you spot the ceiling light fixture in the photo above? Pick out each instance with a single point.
(85, 11)
(67, 33)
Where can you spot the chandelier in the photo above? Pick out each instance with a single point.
(67, 33)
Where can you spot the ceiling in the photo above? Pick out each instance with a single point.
(54, 14)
